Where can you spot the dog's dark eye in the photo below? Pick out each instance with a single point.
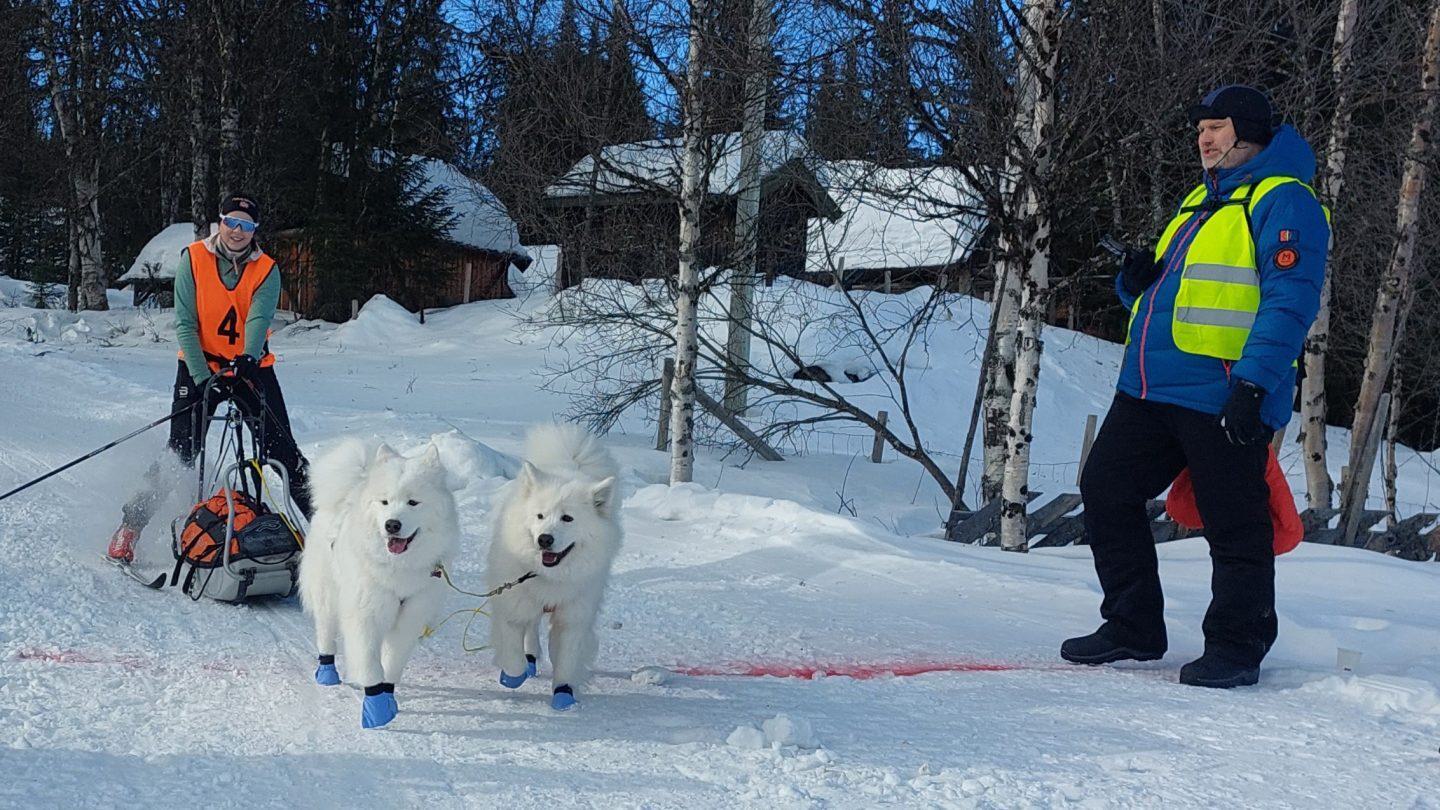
(566, 518)
(384, 503)
(540, 517)
(413, 503)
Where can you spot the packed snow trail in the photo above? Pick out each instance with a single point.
(115, 696)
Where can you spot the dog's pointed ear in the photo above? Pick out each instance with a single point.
(385, 453)
(603, 494)
(526, 477)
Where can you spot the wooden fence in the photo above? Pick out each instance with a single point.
(1060, 522)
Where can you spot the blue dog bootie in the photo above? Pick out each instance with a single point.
(514, 681)
(326, 674)
(563, 699)
(379, 707)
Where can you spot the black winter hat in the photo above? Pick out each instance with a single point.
(242, 203)
(1247, 107)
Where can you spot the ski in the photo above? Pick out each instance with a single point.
(129, 571)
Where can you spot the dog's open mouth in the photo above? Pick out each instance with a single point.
(398, 545)
(550, 559)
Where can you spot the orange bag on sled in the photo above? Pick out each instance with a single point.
(1289, 531)
(203, 539)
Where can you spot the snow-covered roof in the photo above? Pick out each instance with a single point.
(894, 218)
(648, 165)
(160, 255)
(481, 220)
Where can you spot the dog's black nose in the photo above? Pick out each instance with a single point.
(546, 540)
(392, 526)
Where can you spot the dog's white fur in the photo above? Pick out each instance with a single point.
(350, 581)
(567, 474)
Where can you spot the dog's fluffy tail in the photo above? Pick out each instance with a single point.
(563, 447)
(340, 473)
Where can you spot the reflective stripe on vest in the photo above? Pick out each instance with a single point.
(1219, 293)
(220, 313)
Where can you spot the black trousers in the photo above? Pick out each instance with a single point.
(1141, 447)
(270, 410)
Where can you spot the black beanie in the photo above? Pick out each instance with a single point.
(242, 203)
(1247, 107)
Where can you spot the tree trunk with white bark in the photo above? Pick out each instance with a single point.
(1388, 317)
(75, 101)
(1318, 483)
(1041, 46)
(682, 396)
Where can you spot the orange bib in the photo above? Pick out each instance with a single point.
(220, 312)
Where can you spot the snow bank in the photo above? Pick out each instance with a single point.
(17, 293)
(118, 328)
(472, 460)
(380, 323)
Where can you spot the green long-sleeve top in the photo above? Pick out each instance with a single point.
(187, 323)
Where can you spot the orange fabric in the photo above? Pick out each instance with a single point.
(1289, 531)
(204, 532)
(221, 312)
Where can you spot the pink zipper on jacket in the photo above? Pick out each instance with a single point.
(1181, 248)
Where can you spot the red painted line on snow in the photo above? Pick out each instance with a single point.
(129, 661)
(54, 656)
(859, 672)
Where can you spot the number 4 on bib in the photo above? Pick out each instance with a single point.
(227, 327)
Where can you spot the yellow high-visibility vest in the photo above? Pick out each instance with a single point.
(1219, 293)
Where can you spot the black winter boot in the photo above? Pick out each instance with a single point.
(1099, 648)
(1217, 673)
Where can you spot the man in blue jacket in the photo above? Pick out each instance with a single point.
(1218, 316)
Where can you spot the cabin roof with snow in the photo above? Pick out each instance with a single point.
(903, 218)
(655, 167)
(481, 221)
(158, 258)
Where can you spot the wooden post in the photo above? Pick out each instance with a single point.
(1085, 446)
(468, 273)
(354, 308)
(878, 450)
(662, 433)
(1357, 480)
(422, 314)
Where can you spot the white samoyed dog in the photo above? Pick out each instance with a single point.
(559, 520)
(383, 525)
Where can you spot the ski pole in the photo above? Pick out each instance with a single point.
(96, 452)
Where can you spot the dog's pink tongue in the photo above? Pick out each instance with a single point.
(397, 545)
(549, 558)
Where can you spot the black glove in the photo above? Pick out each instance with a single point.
(246, 368)
(1138, 271)
(1241, 416)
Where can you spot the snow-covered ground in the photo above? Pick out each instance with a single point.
(115, 696)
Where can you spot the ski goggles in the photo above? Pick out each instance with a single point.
(244, 225)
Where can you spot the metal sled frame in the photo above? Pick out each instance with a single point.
(243, 474)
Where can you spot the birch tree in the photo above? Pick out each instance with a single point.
(1388, 317)
(1040, 47)
(692, 195)
(1318, 484)
(77, 72)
